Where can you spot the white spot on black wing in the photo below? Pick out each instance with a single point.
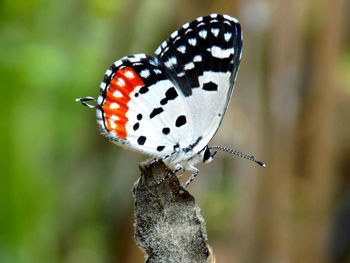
(157, 71)
(108, 72)
(171, 62)
(99, 100)
(188, 31)
(231, 18)
(215, 31)
(164, 44)
(203, 33)
(182, 49)
(174, 34)
(228, 36)
(192, 41)
(103, 86)
(145, 73)
(158, 50)
(118, 63)
(197, 58)
(221, 53)
(189, 66)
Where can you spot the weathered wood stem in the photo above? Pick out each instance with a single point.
(168, 224)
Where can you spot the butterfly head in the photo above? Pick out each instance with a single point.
(207, 155)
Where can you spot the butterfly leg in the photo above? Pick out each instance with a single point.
(181, 174)
(195, 172)
(162, 158)
(177, 168)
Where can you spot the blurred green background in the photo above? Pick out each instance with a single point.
(65, 191)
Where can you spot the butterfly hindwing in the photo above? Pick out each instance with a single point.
(139, 107)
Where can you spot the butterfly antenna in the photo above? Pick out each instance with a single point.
(83, 101)
(238, 153)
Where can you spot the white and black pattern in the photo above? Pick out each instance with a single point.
(170, 106)
(210, 64)
(217, 44)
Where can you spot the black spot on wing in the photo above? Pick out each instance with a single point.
(143, 90)
(180, 121)
(141, 140)
(170, 94)
(160, 148)
(210, 86)
(139, 116)
(155, 112)
(136, 126)
(166, 130)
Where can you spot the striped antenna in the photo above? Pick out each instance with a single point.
(238, 153)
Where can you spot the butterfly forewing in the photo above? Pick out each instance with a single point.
(202, 59)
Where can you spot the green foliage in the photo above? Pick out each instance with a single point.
(61, 182)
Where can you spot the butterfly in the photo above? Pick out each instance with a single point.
(170, 106)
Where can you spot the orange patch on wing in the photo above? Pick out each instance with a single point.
(124, 82)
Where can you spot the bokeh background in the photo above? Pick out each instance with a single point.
(65, 191)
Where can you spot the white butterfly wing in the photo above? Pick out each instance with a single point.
(202, 59)
(140, 108)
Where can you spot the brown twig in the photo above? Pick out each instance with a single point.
(168, 224)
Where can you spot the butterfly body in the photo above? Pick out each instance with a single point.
(171, 105)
